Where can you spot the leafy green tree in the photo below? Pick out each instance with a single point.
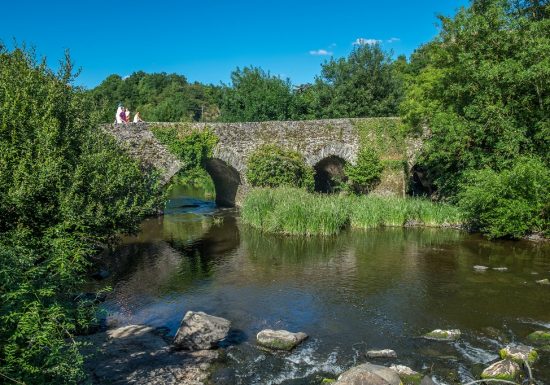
(158, 97)
(256, 95)
(65, 189)
(483, 91)
(364, 84)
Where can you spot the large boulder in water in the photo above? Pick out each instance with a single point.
(199, 331)
(519, 353)
(443, 335)
(279, 339)
(502, 370)
(369, 374)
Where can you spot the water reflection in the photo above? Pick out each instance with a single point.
(359, 290)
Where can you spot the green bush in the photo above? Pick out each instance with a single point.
(365, 175)
(65, 190)
(271, 166)
(511, 203)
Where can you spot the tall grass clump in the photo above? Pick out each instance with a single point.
(294, 211)
(373, 211)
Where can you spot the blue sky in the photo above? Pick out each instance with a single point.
(206, 40)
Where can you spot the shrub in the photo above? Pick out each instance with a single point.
(271, 166)
(65, 189)
(365, 175)
(511, 203)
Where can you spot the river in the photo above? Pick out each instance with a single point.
(356, 291)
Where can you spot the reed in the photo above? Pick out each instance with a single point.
(294, 211)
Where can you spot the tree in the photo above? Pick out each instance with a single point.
(256, 95)
(483, 89)
(362, 85)
(65, 189)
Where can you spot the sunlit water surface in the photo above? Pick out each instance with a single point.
(357, 291)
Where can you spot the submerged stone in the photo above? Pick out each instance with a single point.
(370, 374)
(519, 353)
(480, 268)
(500, 268)
(384, 353)
(443, 335)
(544, 281)
(199, 331)
(279, 339)
(540, 337)
(502, 370)
(407, 375)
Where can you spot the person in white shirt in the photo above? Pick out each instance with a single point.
(118, 118)
(137, 118)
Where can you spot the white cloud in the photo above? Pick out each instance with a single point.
(393, 39)
(320, 52)
(363, 41)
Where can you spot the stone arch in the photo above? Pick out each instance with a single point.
(227, 181)
(329, 172)
(344, 151)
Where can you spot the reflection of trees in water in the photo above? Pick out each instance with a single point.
(171, 256)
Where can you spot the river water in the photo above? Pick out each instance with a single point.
(350, 293)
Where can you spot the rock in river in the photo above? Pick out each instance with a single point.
(406, 374)
(502, 370)
(539, 337)
(279, 339)
(544, 281)
(480, 268)
(199, 331)
(384, 353)
(519, 353)
(443, 335)
(369, 374)
(140, 355)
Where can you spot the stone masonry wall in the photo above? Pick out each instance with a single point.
(315, 139)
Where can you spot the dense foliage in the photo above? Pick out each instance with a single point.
(159, 97)
(256, 95)
(65, 189)
(271, 166)
(510, 202)
(365, 174)
(193, 148)
(366, 83)
(482, 87)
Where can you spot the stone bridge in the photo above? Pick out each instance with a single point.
(325, 144)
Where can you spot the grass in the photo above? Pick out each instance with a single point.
(296, 212)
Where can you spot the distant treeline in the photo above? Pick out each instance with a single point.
(366, 83)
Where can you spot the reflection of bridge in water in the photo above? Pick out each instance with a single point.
(327, 145)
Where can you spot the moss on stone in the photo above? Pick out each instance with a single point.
(506, 377)
(531, 357)
(328, 381)
(411, 379)
(539, 336)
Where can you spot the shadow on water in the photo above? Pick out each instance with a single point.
(356, 291)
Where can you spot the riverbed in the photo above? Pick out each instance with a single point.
(350, 293)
